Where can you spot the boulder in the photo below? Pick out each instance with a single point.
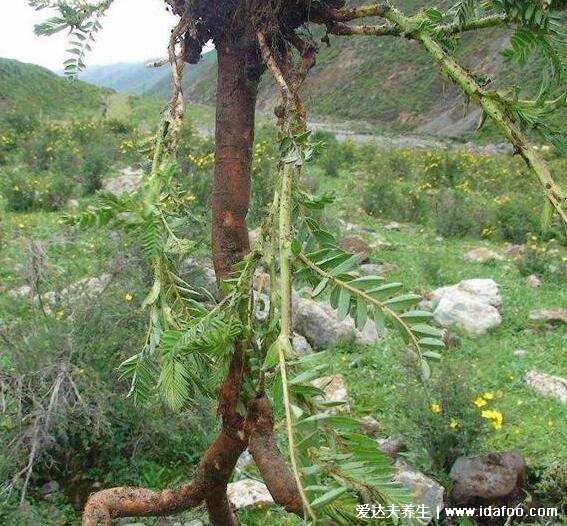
(424, 490)
(300, 344)
(514, 251)
(128, 181)
(393, 226)
(371, 426)
(248, 493)
(548, 385)
(49, 488)
(318, 323)
(379, 242)
(84, 289)
(471, 305)
(356, 245)
(492, 478)
(245, 460)
(482, 255)
(558, 315)
(391, 446)
(533, 281)
(20, 292)
(335, 391)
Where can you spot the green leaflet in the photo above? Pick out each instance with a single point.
(153, 295)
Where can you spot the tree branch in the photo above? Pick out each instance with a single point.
(472, 25)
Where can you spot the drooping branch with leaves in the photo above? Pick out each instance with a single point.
(197, 344)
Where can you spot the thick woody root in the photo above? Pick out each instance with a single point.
(268, 458)
(210, 480)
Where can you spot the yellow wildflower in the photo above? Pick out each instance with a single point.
(128, 297)
(454, 424)
(59, 314)
(489, 395)
(496, 417)
(436, 408)
(480, 402)
(499, 393)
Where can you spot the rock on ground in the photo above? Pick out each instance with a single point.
(128, 181)
(245, 460)
(391, 446)
(548, 385)
(533, 281)
(488, 478)
(371, 426)
(335, 389)
(318, 323)
(394, 225)
(549, 315)
(482, 255)
(471, 305)
(300, 344)
(376, 269)
(248, 493)
(423, 489)
(514, 251)
(357, 246)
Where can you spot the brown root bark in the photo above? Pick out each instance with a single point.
(269, 460)
(238, 76)
(212, 475)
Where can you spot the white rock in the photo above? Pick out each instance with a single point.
(244, 460)
(318, 323)
(393, 226)
(248, 493)
(300, 344)
(128, 181)
(514, 251)
(533, 281)
(20, 292)
(482, 255)
(423, 489)
(335, 389)
(484, 289)
(549, 315)
(376, 269)
(471, 305)
(548, 385)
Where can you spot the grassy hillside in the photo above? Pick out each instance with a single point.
(36, 90)
(126, 77)
(139, 79)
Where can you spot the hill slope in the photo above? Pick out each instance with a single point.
(389, 82)
(132, 77)
(28, 88)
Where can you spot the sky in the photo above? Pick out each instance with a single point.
(133, 31)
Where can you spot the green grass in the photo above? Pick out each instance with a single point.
(38, 91)
(378, 376)
(375, 377)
